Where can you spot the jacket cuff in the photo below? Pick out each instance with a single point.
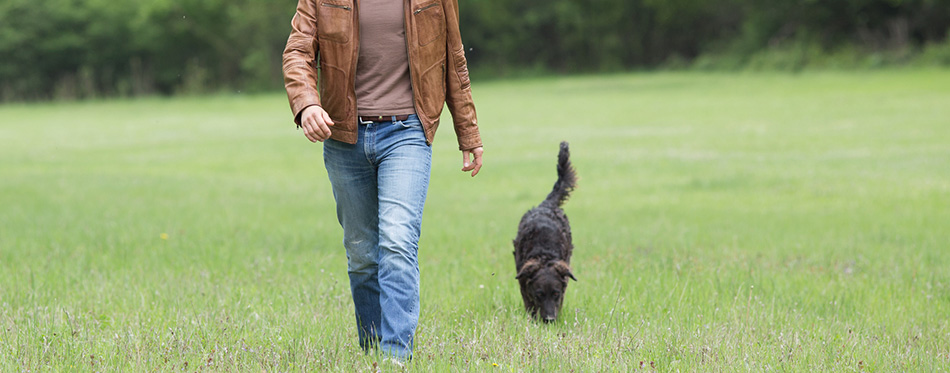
(470, 141)
(302, 102)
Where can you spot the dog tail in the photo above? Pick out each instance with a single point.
(566, 178)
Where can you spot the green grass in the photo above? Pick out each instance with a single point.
(722, 222)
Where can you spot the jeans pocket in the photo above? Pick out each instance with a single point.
(412, 122)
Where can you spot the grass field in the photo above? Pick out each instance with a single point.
(747, 222)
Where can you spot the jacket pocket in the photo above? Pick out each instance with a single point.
(411, 123)
(428, 22)
(335, 21)
(432, 90)
(332, 78)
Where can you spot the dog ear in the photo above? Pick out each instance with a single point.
(529, 268)
(563, 269)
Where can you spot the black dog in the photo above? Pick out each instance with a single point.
(543, 247)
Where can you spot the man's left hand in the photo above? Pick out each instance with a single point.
(475, 164)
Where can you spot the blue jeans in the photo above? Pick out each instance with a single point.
(380, 186)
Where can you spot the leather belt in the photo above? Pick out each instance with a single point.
(383, 118)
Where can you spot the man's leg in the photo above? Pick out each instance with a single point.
(353, 178)
(404, 165)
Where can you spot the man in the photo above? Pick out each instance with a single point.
(385, 69)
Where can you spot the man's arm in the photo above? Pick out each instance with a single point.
(299, 64)
(458, 95)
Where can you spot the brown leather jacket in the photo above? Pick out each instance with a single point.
(324, 45)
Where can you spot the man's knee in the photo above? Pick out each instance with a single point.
(361, 255)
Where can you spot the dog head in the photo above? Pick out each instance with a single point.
(544, 285)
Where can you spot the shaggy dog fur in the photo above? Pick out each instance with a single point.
(543, 247)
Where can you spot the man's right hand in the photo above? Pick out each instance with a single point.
(315, 123)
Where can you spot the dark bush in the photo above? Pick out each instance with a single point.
(74, 49)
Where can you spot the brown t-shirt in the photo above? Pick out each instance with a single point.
(382, 72)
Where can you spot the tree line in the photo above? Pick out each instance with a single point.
(99, 48)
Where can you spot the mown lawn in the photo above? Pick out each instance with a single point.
(726, 222)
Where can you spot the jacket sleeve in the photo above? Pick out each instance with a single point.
(299, 59)
(458, 95)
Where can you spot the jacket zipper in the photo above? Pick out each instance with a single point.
(424, 8)
(356, 61)
(344, 7)
(409, 60)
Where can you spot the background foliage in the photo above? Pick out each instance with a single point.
(90, 48)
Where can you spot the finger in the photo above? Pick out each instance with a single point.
(478, 163)
(324, 119)
(318, 131)
(322, 130)
(307, 130)
(466, 164)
